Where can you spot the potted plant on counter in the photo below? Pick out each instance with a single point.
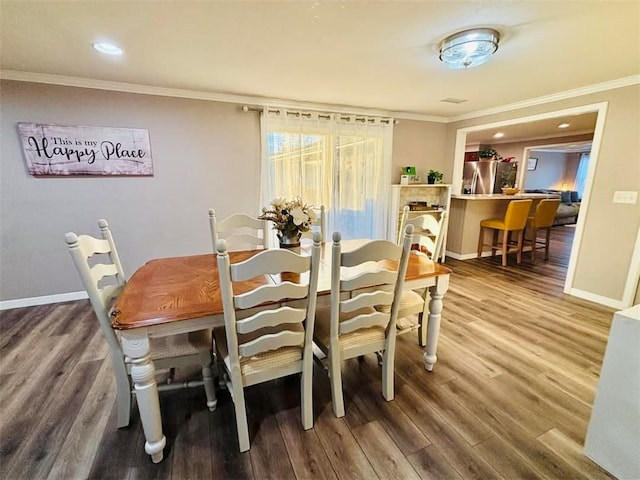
(489, 154)
(434, 176)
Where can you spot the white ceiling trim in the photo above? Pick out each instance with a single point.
(208, 96)
(595, 88)
(263, 102)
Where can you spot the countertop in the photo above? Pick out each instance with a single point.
(501, 196)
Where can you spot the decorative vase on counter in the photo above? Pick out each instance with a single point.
(289, 239)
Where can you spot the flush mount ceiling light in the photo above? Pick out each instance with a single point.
(107, 48)
(563, 125)
(469, 48)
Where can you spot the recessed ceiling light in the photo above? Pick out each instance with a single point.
(563, 125)
(107, 48)
(498, 135)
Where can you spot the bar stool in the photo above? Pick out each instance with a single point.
(542, 219)
(515, 219)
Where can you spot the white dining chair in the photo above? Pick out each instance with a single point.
(241, 231)
(268, 329)
(104, 279)
(362, 279)
(428, 239)
(317, 226)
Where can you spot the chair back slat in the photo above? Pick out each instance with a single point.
(275, 324)
(269, 262)
(271, 342)
(365, 320)
(371, 275)
(241, 231)
(366, 279)
(270, 293)
(101, 294)
(373, 251)
(429, 232)
(271, 318)
(367, 299)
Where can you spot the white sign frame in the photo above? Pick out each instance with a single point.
(52, 150)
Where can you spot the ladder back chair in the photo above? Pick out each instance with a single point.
(542, 220)
(361, 280)
(428, 235)
(268, 329)
(515, 219)
(316, 226)
(241, 231)
(104, 279)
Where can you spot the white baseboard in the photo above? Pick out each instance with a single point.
(471, 256)
(592, 297)
(46, 299)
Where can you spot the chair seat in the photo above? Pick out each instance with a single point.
(262, 361)
(181, 345)
(410, 303)
(496, 223)
(359, 337)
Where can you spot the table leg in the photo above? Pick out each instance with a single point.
(135, 344)
(436, 293)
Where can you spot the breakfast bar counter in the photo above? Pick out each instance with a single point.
(465, 214)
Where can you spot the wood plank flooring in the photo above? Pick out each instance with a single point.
(510, 397)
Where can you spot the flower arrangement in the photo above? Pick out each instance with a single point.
(290, 217)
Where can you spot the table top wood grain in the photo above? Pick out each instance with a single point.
(180, 288)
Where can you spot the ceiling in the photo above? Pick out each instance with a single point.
(541, 129)
(379, 55)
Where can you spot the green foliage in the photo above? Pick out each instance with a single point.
(435, 176)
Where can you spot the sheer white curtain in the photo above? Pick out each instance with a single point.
(581, 174)
(340, 161)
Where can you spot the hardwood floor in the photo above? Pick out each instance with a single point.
(510, 397)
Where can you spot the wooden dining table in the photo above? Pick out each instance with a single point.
(169, 296)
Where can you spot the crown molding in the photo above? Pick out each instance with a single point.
(253, 101)
(577, 92)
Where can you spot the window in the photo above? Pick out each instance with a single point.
(340, 161)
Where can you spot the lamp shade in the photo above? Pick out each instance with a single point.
(469, 48)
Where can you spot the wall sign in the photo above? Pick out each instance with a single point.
(65, 150)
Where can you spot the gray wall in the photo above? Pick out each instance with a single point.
(205, 154)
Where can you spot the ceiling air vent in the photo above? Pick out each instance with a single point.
(453, 100)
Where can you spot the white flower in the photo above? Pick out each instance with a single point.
(312, 216)
(299, 217)
(279, 202)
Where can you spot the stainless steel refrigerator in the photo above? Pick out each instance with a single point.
(484, 176)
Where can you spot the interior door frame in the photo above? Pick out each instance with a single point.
(601, 109)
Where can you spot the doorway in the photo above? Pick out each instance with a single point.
(598, 109)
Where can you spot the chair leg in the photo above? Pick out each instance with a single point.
(505, 246)
(123, 389)
(306, 398)
(335, 375)
(546, 244)
(241, 412)
(388, 365)
(494, 243)
(534, 236)
(520, 244)
(207, 379)
(480, 242)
